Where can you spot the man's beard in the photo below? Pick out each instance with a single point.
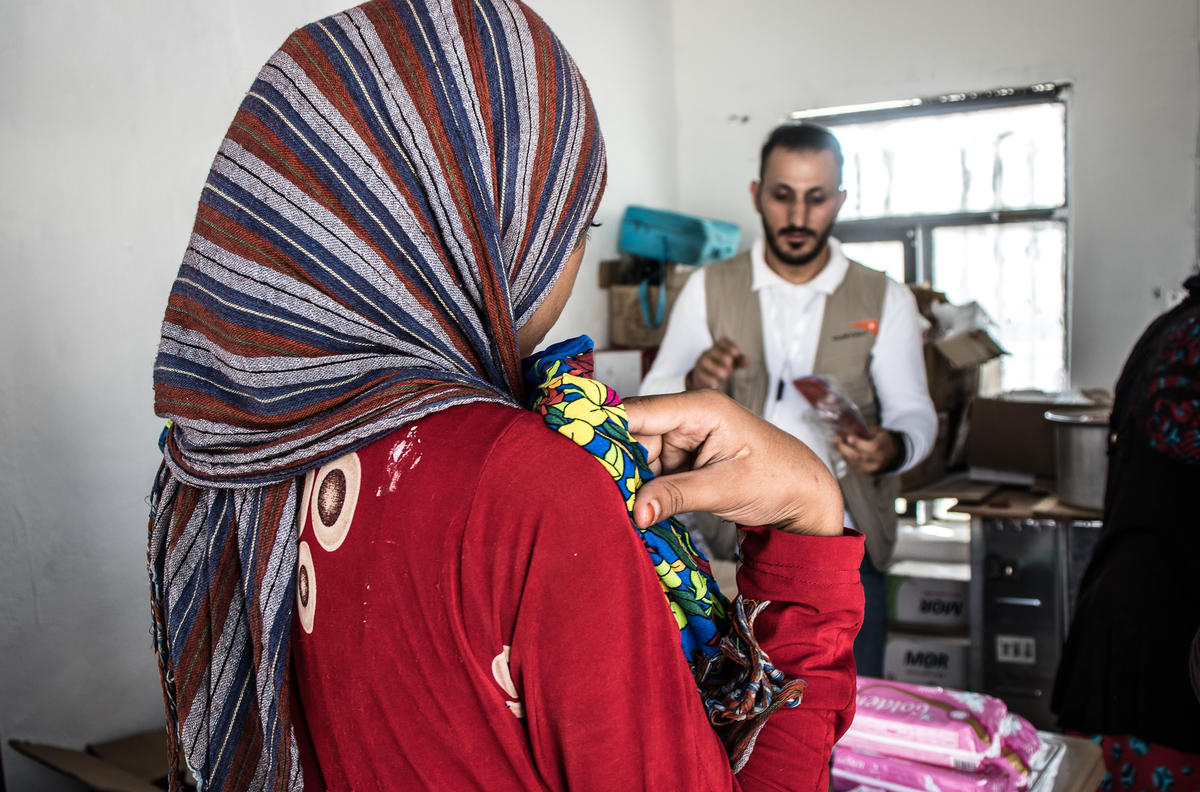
(796, 259)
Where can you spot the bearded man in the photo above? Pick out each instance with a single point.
(794, 306)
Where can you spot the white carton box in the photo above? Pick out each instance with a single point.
(929, 595)
(927, 659)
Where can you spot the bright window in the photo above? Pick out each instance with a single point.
(968, 193)
(1021, 289)
(974, 161)
(886, 256)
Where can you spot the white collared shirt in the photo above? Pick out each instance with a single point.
(792, 316)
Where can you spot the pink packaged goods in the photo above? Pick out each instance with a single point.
(938, 726)
(1019, 747)
(852, 769)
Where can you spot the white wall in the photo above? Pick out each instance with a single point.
(1133, 118)
(623, 48)
(112, 114)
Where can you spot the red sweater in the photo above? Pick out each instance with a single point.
(488, 619)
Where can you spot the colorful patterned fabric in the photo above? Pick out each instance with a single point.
(738, 684)
(592, 416)
(395, 197)
(1173, 392)
(1135, 764)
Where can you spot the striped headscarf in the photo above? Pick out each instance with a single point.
(394, 198)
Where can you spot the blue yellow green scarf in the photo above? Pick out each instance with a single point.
(738, 685)
(592, 416)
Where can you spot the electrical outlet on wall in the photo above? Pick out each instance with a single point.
(1020, 649)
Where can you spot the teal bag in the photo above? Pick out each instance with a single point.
(663, 235)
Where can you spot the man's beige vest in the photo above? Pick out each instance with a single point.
(843, 355)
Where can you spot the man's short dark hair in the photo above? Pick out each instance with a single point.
(801, 137)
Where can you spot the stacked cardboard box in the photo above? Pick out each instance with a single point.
(928, 623)
(628, 327)
(953, 369)
(1012, 442)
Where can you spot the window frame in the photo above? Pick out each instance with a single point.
(915, 232)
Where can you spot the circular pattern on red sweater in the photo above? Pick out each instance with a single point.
(334, 497)
(306, 588)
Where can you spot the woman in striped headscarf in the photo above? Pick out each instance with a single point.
(371, 566)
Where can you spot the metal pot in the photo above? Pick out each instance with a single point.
(1081, 456)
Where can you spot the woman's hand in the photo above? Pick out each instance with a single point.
(713, 455)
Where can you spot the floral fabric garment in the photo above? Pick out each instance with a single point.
(739, 685)
(592, 416)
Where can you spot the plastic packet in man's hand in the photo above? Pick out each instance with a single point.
(833, 407)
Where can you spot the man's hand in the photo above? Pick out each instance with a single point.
(715, 365)
(715, 456)
(878, 452)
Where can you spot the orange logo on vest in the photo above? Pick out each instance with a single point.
(870, 325)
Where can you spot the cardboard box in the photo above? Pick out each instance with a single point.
(137, 763)
(952, 366)
(928, 595)
(940, 540)
(952, 362)
(935, 466)
(627, 324)
(926, 296)
(1009, 433)
(949, 389)
(927, 659)
(968, 350)
(609, 272)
